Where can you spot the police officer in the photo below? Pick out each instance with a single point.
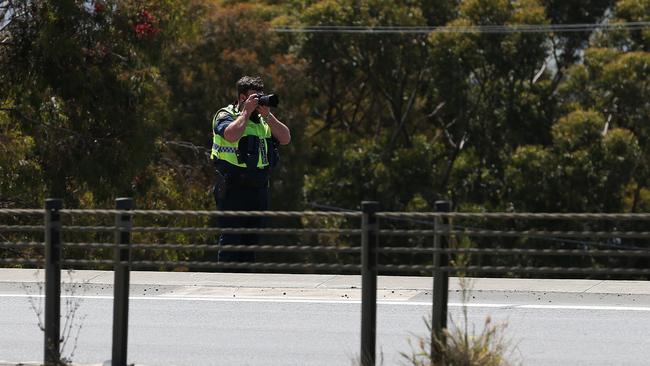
(244, 149)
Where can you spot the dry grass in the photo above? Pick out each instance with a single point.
(462, 346)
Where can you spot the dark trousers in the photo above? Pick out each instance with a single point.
(232, 197)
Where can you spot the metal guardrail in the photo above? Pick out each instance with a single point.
(522, 253)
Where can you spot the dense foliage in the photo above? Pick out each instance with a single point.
(111, 98)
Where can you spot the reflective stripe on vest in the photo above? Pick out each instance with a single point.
(226, 149)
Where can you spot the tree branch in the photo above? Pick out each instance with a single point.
(409, 106)
(13, 16)
(188, 145)
(558, 65)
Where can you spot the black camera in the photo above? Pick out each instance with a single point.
(270, 100)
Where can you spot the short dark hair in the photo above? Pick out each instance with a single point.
(247, 83)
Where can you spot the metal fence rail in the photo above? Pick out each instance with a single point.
(178, 213)
(518, 215)
(367, 242)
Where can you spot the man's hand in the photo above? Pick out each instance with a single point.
(235, 130)
(251, 103)
(264, 111)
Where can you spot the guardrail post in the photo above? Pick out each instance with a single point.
(440, 278)
(122, 258)
(52, 355)
(369, 242)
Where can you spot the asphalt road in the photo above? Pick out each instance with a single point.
(312, 320)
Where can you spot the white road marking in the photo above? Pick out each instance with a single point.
(326, 301)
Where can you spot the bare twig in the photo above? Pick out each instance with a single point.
(38, 310)
(76, 338)
(73, 303)
(188, 145)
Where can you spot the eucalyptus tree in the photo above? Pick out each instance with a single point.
(79, 79)
(598, 159)
(369, 88)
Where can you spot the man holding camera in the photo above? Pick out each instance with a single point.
(244, 150)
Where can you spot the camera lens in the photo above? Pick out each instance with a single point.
(270, 100)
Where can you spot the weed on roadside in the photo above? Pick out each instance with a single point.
(72, 320)
(459, 345)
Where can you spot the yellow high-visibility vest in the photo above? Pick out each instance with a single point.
(223, 149)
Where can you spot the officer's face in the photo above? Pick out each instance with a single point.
(243, 97)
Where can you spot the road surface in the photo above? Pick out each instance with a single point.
(249, 319)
